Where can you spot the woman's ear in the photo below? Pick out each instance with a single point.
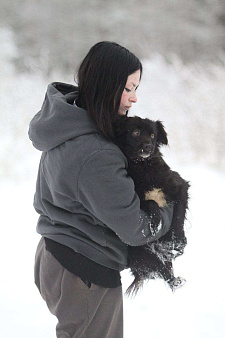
(161, 134)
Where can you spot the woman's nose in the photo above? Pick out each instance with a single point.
(133, 98)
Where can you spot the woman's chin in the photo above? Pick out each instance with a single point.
(122, 112)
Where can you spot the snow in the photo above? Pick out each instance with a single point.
(197, 309)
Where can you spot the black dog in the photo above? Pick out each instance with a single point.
(140, 139)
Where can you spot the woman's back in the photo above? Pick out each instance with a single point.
(89, 210)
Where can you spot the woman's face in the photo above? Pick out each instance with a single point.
(129, 93)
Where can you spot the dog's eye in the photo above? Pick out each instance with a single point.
(152, 135)
(136, 133)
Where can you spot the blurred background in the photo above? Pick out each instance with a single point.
(182, 47)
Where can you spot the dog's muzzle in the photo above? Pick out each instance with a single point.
(145, 151)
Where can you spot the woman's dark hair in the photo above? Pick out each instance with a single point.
(101, 79)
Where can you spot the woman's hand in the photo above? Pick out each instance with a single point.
(156, 195)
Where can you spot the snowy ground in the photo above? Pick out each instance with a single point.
(189, 97)
(197, 310)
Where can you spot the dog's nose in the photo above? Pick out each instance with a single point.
(147, 147)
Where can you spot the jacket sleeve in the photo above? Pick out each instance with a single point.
(106, 191)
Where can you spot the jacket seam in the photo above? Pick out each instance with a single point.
(44, 154)
(100, 144)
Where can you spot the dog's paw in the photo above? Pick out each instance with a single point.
(176, 283)
(156, 195)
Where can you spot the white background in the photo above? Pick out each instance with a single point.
(197, 310)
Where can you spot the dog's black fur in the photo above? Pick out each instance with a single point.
(140, 139)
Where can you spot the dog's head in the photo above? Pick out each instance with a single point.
(139, 138)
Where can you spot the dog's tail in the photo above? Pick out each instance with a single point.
(132, 290)
(174, 283)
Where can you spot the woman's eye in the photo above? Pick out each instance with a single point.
(152, 135)
(127, 90)
(136, 133)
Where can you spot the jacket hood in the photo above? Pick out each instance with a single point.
(59, 120)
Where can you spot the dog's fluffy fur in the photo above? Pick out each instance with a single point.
(140, 140)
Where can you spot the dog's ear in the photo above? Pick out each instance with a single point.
(161, 134)
(120, 124)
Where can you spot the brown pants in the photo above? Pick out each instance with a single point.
(82, 311)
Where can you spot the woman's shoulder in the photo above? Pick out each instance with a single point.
(104, 144)
(85, 146)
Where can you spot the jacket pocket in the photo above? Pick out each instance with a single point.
(86, 282)
(51, 273)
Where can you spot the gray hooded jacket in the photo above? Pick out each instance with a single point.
(84, 196)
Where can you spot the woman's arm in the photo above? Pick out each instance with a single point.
(106, 191)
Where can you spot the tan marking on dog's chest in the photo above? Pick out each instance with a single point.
(156, 195)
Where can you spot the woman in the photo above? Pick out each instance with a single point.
(89, 211)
